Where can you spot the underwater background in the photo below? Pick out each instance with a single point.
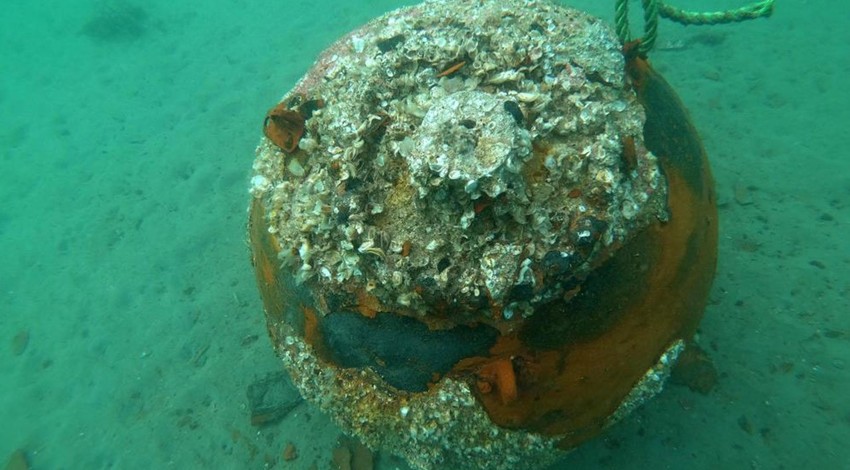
(130, 324)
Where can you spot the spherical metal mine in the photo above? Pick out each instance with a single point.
(480, 234)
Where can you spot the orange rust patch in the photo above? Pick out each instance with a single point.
(482, 203)
(284, 127)
(267, 272)
(264, 251)
(499, 374)
(637, 67)
(452, 69)
(367, 304)
(311, 325)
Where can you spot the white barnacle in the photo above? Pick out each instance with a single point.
(368, 248)
(304, 252)
(405, 147)
(295, 168)
(308, 144)
(352, 151)
(259, 185)
(505, 76)
(375, 251)
(366, 245)
(466, 218)
(618, 106)
(528, 97)
(325, 272)
(358, 44)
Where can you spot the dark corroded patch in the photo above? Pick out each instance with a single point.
(401, 349)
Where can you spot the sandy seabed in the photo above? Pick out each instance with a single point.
(130, 326)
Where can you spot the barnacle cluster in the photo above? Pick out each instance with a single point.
(471, 161)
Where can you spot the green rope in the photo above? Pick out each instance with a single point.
(749, 12)
(652, 9)
(650, 24)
